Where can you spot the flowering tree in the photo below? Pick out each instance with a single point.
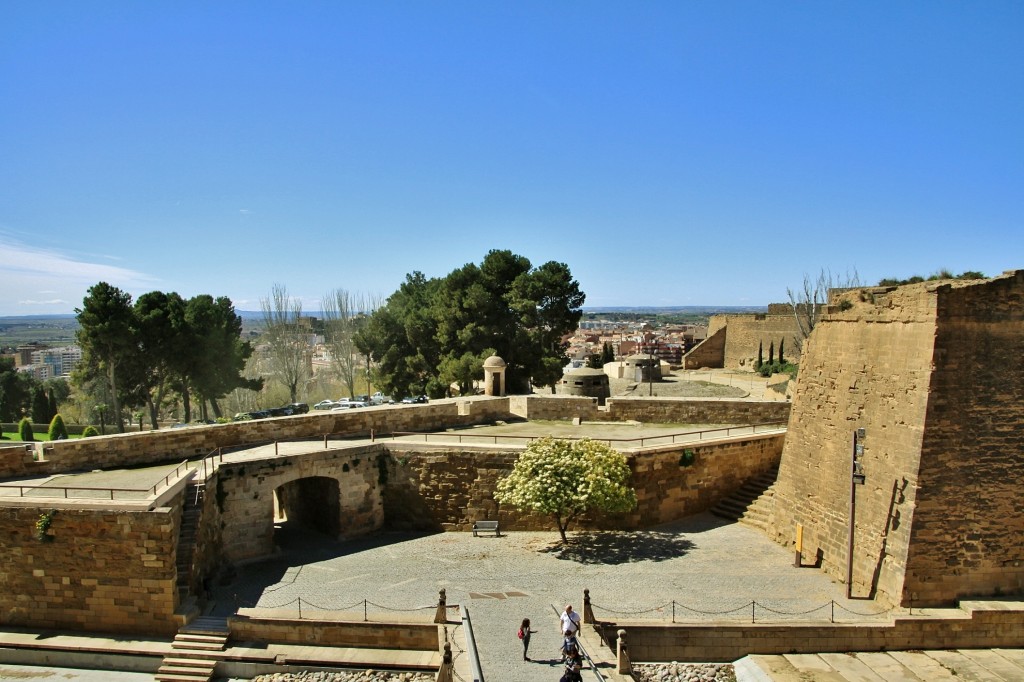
(565, 479)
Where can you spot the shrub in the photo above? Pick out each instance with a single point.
(25, 430)
(57, 429)
(90, 431)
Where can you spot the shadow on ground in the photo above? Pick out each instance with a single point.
(297, 546)
(621, 547)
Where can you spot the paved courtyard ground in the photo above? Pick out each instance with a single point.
(711, 569)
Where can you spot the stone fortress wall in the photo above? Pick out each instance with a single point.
(933, 373)
(100, 570)
(733, 340)
(115, 571)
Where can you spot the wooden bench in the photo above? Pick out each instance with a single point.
(486, 527)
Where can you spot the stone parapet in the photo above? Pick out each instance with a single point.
(330, 630)
(97, 570)
(976, 625)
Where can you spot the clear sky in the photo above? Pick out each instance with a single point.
(671, 153)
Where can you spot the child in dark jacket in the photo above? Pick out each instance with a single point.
(524, 634)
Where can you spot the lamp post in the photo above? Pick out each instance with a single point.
(856, 478)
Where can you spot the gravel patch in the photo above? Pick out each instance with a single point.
(674, 387)
(685, 672)
(346, 676)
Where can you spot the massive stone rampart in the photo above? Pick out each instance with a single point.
(97, 570)
(448, 488)
(932, 372)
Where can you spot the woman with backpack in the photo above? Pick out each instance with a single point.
(524, 634)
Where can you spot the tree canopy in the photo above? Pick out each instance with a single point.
(134, 354)
(433, 333)
(564, 479)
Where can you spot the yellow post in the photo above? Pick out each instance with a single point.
(799, 545)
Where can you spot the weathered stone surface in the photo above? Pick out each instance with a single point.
(91, 572)
(933, 373)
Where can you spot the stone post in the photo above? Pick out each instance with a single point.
(624, 667)
(446, 672)
(442, 608)
(588, 612)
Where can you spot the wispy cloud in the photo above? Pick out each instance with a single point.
(20, 260)
(37, 280)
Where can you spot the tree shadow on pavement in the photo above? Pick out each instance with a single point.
(621, 547)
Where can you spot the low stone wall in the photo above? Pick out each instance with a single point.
(448, 488)
(375, 635)
(675, 411)
(978, 625)
(101, 571)
(152, 447)
(15, 460)
(650, 410)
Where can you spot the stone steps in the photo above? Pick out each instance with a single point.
(981, 665)
(197, 648)
(751, 503)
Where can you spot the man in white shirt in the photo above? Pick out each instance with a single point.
(570, 621)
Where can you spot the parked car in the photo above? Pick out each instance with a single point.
(415, 399)
(324, 405)
(379, 398)
(299, 408)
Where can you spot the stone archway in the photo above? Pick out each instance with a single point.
(310, 504)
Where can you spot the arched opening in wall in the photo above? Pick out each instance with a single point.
(305, 508)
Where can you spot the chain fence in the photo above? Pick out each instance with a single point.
(754, 611)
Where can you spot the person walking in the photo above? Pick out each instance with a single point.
(524, 634)
(570, 621)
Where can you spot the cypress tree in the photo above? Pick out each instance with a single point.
(782, 344)
(57, 429)
(760, 355)
(40, 406)
(52, 400)
(25, 430)
(771, 353)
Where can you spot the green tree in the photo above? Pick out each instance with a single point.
(782, 347)
(216, 364)
(57, 430)
(607, 353)
(771, 353)
(89, 432)
(51, 400)
(760, 355)
(401, 337)
(165, 342)
(15, 390)
(107, 337)
(25, 430)
(40, 406)
(432, 333)
(564, 479)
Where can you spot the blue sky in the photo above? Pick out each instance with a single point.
(671, 153)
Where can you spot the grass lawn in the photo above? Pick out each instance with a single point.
(40, 437)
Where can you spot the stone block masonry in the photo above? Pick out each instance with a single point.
(933, 374)
(98, 570)
(978, 625)
(446, 488)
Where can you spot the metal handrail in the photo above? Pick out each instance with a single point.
(471, 652)
(493, 438)
(148, 492)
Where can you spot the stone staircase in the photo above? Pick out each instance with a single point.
(197, 648)
(190, 516)
(752, 503)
